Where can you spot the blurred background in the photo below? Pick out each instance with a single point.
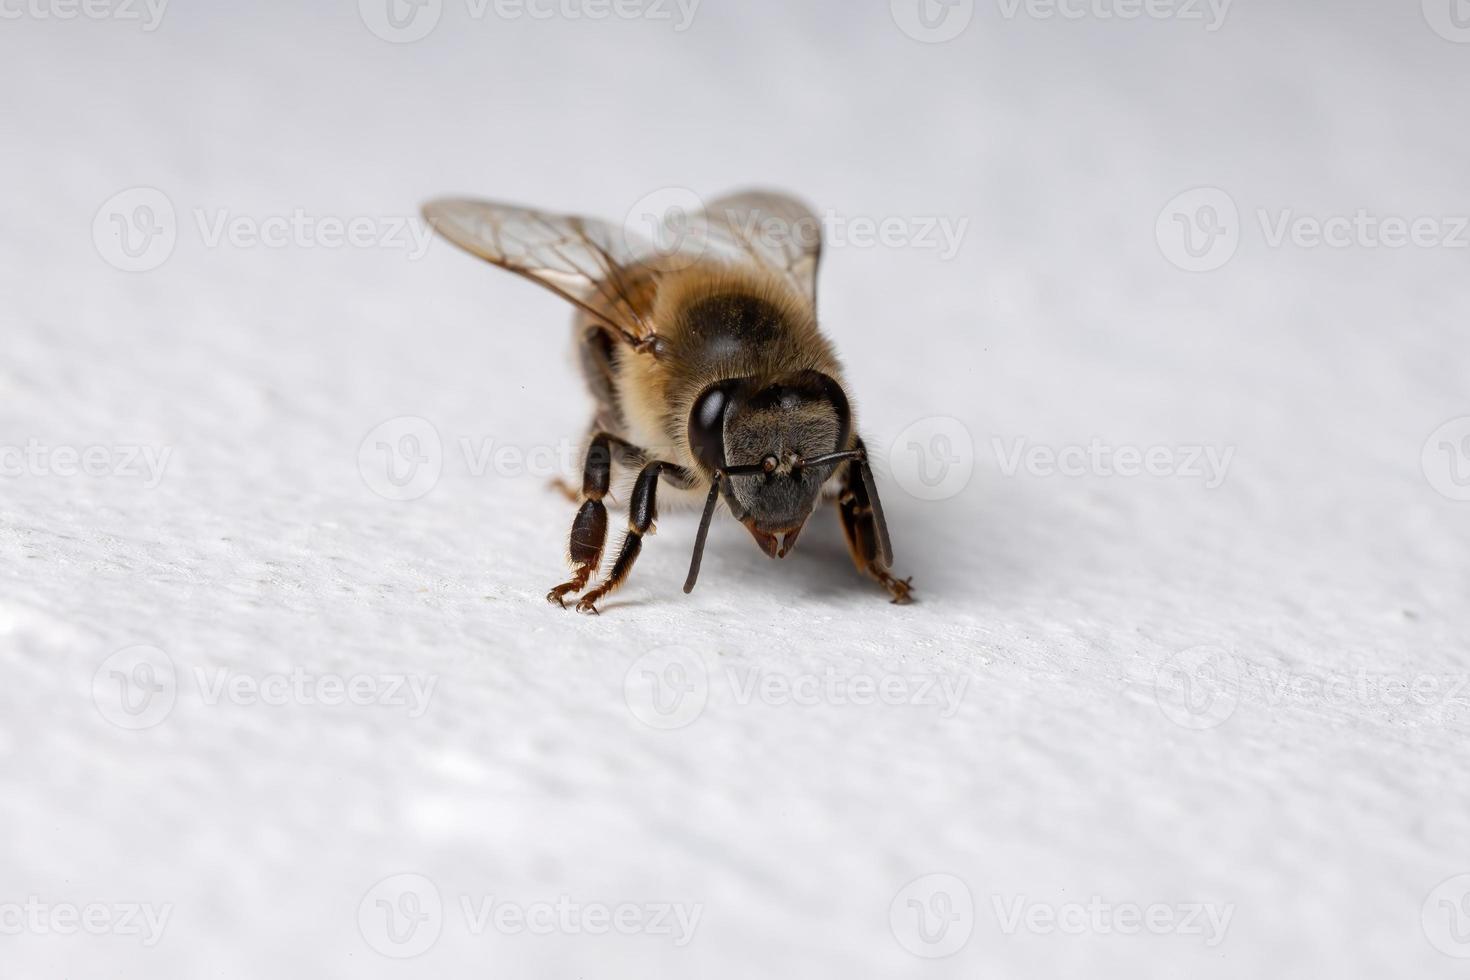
(1154, 312)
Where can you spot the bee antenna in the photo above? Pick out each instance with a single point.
(828, 459)
(709, 513)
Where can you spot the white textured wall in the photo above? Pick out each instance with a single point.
(1300, 798)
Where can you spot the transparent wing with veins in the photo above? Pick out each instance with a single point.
(774, 230)
(613, 274)
(589, 263)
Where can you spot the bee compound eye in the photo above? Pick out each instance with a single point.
(707, 426)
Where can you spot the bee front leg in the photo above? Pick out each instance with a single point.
(642, 512)
(860, 525)
(589, 528)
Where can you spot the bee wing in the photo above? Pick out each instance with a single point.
(778, 231)
(589, 263)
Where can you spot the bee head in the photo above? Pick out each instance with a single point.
(760, 437)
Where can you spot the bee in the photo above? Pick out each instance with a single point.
(708, 370)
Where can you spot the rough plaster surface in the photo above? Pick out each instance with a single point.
(1300, 797)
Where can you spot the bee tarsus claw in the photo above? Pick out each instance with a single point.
(900, 588)
(557, 595)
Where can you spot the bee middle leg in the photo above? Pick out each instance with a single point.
(589, 528)
(860, 527)
(642, 512)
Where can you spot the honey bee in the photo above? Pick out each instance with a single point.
(708, 370)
